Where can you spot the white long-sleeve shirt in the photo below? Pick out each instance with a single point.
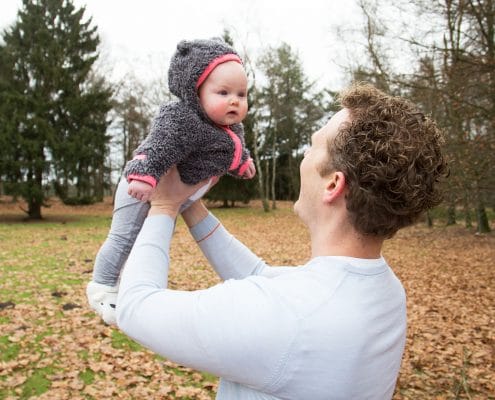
(333, 328)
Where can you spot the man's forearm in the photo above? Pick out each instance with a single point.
(195, 213)
(229, 257)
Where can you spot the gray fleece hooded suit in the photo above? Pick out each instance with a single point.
(181, 134)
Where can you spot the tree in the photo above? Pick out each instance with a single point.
(480, 37)
(452, 78)
(253, 128)
(58, 105)
(80, 145)
(290, 111)
(378, 72)
(466, 63)
(134, 105)
(131, 119)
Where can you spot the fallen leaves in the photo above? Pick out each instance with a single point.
(447, 273)
(53, 347)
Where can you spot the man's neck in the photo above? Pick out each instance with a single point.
(340, 239)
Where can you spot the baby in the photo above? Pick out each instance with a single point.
(201, 133)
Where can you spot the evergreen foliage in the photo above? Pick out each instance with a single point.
(291, 110)
(53, 112)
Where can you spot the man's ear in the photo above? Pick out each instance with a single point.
(335, 187)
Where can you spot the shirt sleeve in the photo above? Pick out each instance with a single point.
(228, 256)
(228, 330)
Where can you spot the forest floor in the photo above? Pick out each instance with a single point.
(53, 347)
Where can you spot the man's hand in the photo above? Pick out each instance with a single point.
(250, 171)
(171, 192)
(140, 190)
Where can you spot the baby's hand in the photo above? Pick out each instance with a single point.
(250, 171)
(140, 190)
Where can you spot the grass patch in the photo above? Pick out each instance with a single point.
(8, 350)
(37, 383)
(83, 355)
(87, 376)
(121, 341)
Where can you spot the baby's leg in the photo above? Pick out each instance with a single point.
(128, 218)
(196, 195)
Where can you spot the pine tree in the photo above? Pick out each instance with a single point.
(291, 109)
(57, 105)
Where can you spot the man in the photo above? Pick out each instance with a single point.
(334, 328)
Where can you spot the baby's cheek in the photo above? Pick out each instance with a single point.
(219, 107)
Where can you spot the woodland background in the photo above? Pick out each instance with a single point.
(66, 130)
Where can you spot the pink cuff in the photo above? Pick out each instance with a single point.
(143, 178)
(140, 157)
(245, 166)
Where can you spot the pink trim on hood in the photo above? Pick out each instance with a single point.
(215, 63)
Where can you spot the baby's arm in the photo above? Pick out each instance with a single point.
(246, 169)
(166, 145)
(250, 170)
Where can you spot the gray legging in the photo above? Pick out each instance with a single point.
(128, 218)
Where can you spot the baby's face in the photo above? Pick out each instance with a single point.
(223, 95)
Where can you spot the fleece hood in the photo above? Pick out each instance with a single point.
(191, 64)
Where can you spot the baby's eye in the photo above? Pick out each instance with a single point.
(242, 94)
(223, 92)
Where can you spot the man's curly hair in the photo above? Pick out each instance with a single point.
(390, 154)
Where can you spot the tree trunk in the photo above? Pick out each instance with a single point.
(100, 184)
(429, 219)
(35, 194)
(467, 215)
(292, 176)
(267, 179)
(483, 225)
(468, 220)
(274, 174)
(451, 220)
(34, 209)
(482, 219)
(263, 193)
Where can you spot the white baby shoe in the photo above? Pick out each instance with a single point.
(103, 300)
